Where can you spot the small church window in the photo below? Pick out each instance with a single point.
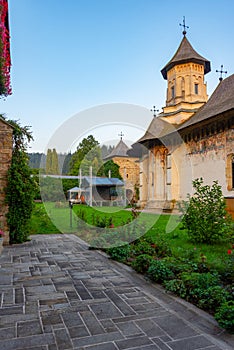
(230, 172)
(172, 92)
(196, 88)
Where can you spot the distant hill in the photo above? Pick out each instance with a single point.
(35, 160)
(38, 160)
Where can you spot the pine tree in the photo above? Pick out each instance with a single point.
(55, 164)
(52, 166)
(48, 162)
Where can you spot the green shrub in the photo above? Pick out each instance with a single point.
(141, 246)
(81, 219)
(188, 254)
(162, 247)
(199, 288)
(199, 280)
(81, 214)
(179, 266)
(159, 272)
(101, 221)
(142, 263)
(110, 238)
(227, 272)
(212, 298)
(205, 216)
(98, 242)
(197, 283)
(146, 245)
(231, 233)
(177, 287)
(225, 316)
(120, 253)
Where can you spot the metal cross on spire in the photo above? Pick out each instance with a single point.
(121, 135)
(221, 71)
(183, 25)
(154, 110)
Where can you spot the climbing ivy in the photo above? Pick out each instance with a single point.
(20, 188)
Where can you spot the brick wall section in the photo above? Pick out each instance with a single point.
(5, 162)
(132, 170)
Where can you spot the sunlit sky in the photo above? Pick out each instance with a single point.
(69, 56)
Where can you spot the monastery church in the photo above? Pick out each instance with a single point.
(193, 137)
(128, 164)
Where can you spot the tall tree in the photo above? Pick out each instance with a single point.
(88, 154)
(48, 161)
(66, 163)
(55, 163)
(52, 167)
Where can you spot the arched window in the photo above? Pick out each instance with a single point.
(172, 92)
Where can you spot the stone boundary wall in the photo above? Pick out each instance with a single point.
(6, 132)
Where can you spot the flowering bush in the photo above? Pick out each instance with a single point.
(5, 59)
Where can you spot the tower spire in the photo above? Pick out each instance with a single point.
(186, 88)
(183, 25)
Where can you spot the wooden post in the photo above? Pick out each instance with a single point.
(91, 186)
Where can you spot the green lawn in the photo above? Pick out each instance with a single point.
(153, 225)
(202, 274)
(40, 221)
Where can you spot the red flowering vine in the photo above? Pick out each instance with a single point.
(5, 57)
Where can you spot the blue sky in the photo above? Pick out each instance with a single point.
(71, 55)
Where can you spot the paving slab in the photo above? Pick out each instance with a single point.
(56, 294)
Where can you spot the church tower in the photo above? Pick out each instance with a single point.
(186, 89)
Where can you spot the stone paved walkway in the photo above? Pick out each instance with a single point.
(57, 295)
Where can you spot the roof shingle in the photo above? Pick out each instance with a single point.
(184, 54)
(119, 151)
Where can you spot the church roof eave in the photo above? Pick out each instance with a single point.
(221, 101)
(119, 151)
(158, 128)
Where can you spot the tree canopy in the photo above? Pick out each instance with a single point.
(111, 167)
(88, 154)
